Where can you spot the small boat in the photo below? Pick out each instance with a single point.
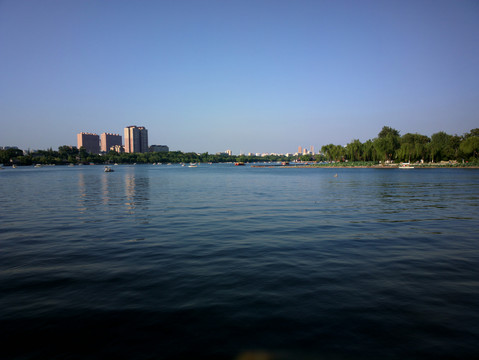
(239, 163)
(38, 165)
(406, 166)
(193, 165)
(108, 169)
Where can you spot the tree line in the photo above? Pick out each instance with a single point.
(389, 145)
(72, 155)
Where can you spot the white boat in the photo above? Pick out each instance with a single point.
(108, 169)
(38, 165)
(193, 165)
(406, 166)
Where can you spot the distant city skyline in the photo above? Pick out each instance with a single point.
(242, 75)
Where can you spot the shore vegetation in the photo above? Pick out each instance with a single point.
(389, 148)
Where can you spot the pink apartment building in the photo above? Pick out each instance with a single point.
(109, 140)
(91, 142)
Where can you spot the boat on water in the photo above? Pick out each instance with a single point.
(193, 165)
(38, 165)
(239, 163)
(108, 169)
(406, 166)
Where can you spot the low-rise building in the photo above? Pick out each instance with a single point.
(159, 148)
(118, 148)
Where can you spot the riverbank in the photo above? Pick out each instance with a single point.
(372, 166)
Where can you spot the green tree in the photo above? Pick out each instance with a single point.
(333, 152)
(66, 151)
(440, 147)
(369, 151)
(10, 156)
(387, 143)
(413, 147)
(388, 131)
(470, 147)
(473, 132)
(354, 150)
(83, 154)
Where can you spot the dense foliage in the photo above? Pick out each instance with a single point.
(389, 145)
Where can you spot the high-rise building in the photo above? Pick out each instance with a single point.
(108, 140)
(91, 142)
(136, 139)
(300, 149)
(311, 149)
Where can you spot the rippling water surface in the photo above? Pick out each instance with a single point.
(224, 262)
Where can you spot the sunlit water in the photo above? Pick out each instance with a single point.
(223, 262)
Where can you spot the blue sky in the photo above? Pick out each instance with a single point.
(250, 76)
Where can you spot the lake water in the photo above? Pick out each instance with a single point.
(225, 262)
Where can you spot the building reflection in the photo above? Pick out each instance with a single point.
(89, 192)
(98, 192)
(82, 191)
(137, 189)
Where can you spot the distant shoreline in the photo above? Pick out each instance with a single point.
(380, 167)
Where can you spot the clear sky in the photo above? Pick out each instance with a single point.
(250, 76)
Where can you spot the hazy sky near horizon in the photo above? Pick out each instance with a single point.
(250, 76)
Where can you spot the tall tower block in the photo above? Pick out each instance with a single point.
(108, 140)
(91, 142)
(136, 139)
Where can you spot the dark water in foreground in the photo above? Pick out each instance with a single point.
(224, 262)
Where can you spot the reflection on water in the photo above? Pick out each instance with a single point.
(100, 192)
(137, 188)
(89, 192)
